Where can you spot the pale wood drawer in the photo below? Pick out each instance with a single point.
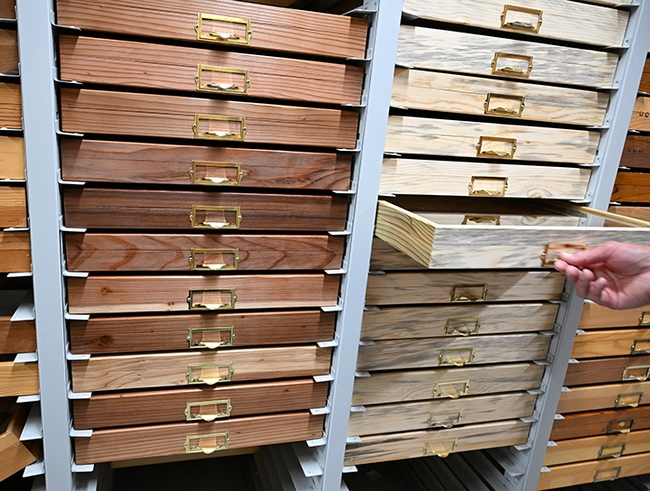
(603, 370)
(613, 421)
(12, 158)
(8, 52)
(596, 316)
(616, 342)
(13, 207)
(11, 107)
(18, 379)
(607, 396)
(15, 252)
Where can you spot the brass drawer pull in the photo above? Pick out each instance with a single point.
(209, 374)
(610, 474)
(219, 79)
(504, 105)
(496, 147)
(457, 357)
(611, 451)
(211, 337)
(215, 217)
(525, 19)
(212, 299)
(441, 449)
(640, 346)
(208, 27)
(452, 390)
(644, 319)
(202, 259)
(208, 410)
(552, 252)
(637, 373)
(217, 127)
(632, 399)
(462, 327)
(620, 426)
(468, 293)
(207, 443)
(487, 186)
(200, 173)
(444, 420)
(522, 69)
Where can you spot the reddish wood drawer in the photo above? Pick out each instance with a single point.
(596, 316)
(579, 425)
(15, 252)
(7, 9)
(11, 107)
(13, 206)
(631, 393)
(614, 342)
(631, 187)
(8, 52)
(15, 336)
(601, 370)
(636, 153)
(644, 86)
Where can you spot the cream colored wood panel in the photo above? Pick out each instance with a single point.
(607, 396)
(461, 52)
(616, 342)
(512, 219)
(596, 316)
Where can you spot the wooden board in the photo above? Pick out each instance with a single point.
(389, 418)
(18, 379)
(11, 107)
(637, 212)
(7, 9)
(458, 351)
(8, 52)
(17, 337)
(163, 209)
(150, 66)
(385, 257)
(601, 370)
(636, 152)
(445, 383)
(204, 252)
(409, 288)
(15, 253)
(170, 439)
(101, 373)
(13, 206)
(472, 54)
(466, 139)
(112, 294)
(162, 116)
(273, 28)
(200, 166)
(408, 445)
(553, 19)
(466, 320)
(596, 316)
(606, 396)
(640, 120)
(12, 158)
(101, 335)
(614, 342)
(644, 86)
(631, 187)
(441, 177)
(15, 455)
(167, 406)
(612, 421)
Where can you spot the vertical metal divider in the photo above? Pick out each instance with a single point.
(37, 67)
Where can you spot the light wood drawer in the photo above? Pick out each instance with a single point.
(475, 54)
(8, 52)
(12, 158)
(201, 166)
(149, 66)
(13, 206)
(11, 107)
(469, 139)
(614, 421)
(181, 438)
(445, 383)
(431, 415)
(396, 446)
(457, 320)
(18, 379)
(594, 344)
(553, 19)
(129, 334)
(14, 454)
(631, 187)
(640, 120)
(439, 177)
(592, 397)
(602, 370)
(112, 294)
(15, 336)
(100, 373)
(15, 254)
(199, 404)
(596, 316)
(636, 153)
(7, 9)
(272, 28)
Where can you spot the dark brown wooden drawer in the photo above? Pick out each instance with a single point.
(602, 370)
(187, 438)
(7, 9)
(13, 206)
(579, 425)
(15, 336)
(615, 342)
(12, 157)
(102, 335)
(112, 294)
(201, 210)
(641, 114)
(635, 391)
(644, 86)
(272, 28)
(15, 252)
(11, 107)
(636, 153)
(8, 52)
(122, 162)
(199, 404)
(151, 66)
(202, 252)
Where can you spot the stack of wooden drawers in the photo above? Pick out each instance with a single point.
(491, 105)
(215, 168)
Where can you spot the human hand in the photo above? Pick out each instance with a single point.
(615, 274)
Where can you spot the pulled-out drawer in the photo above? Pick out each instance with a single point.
(17, 336)
(13, 207)
(607, 396)
(12, 157)
(631, 187)
(615, 342)
(640, 120)
(14, 454)
(604, 370)
(596, 316)
(636, 152)
(578, 425)
(8, 52)
(18, 379)
(11, 107)
(15, 252)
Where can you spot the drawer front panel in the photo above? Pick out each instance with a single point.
(117, 113)
(8, 52)
(18, 379)
(445, 383)
(204, 210)
(644, 86)
(108, 294)
(474, 54)
(617, 342)
(7, 9)
(631, 187)
(589, 398)
(11, 108)
(596, 316)
(636, 152)
(15, 254)
(12, 158)
(192, 368)
(174, 439)
(18, 336)
(614, 421)
(641, 114)
(602, 370)
(638, 212)
(199, 331)
(214, 403)
(216, 167)
(13, 206)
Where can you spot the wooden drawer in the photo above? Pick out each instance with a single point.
(199, 404)
(416, 287)
(15, 255)
(131, 114)
(592, 397)
(150, 66)
(456, 320)
(202, 210)
(457, 351)
(644, 86)
(637, 212)
(204, 252)
(13, 206)
(15, 336)
(101, 335)
(440, 414)
(112, 294)
(594, 471)
(412, 444)
(181, 438)
(602, 370)
(636, 152)
(613, 421)
(631, 187)
(445, 383)
(596, 316)
(474, 54)
(12, 157)
(14, 455)
(7, 9)
(8, 52)
(553, 19)
(185, 165)
(614, 342)
(438, 177)
(469, 139)
(598, 447)
(641, 114)
(11, 107)
(272, 28)
(18, 379)
(101, 373)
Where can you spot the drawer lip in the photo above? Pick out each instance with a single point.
(586, 424)
(601, 396)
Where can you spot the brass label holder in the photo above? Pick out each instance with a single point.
(462, 327)
(633, 399)
(620, 426)
(218, 127)
(441, 449)
(208, 410)
(523, 65)
(196, 264)
(442, 390)
(200, 217)
(551, 252)
(609, 474)
(207, 443)
(507, 105)
(206, 180)
(195, 304)
(637, 373)
(640, 346)
(205, 31)
(496, 147)
(611, 451)
(209, 374)
(457, 357)
(465, 293)
(487, 186)
(529, 20)
(644, 318)
(204, 337)
(206, 74)
(444, 419)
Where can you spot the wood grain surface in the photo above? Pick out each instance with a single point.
(638, 212)
(614, 342)
(17, 337)
(11, 107)
(584, 424)
(601, 370)
(644, 86)
(7, 9)
(18, 379)
(631, 187)
(13, 206)
(385, 257)
(596, 316)
(15, 455)
(636, 152)
(15, 252)
(8, 52)
(593, 397)
(12, 158)
(640, 120)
